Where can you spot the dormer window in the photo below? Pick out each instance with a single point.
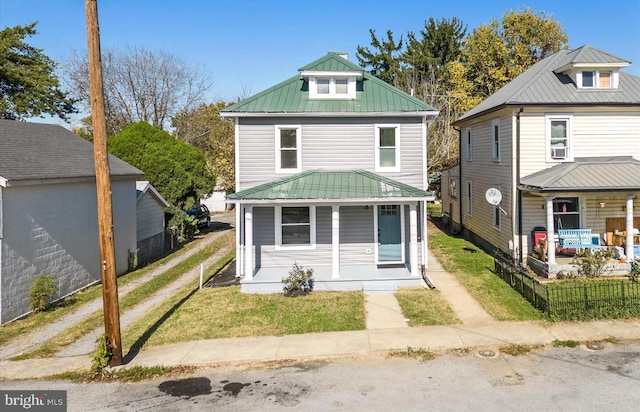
(595, 79)
(332, 88)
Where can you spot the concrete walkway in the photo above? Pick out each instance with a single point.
(468, 309)
(31, 341)
(383, 311)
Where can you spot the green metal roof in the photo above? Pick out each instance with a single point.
(331, 185)
(291, 97)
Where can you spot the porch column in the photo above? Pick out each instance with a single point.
(551, 244)
(629, 229)
(335, 242)
(248, 242)
(413, 239)
(239, 261)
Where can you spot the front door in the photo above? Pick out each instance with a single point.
(389, 234)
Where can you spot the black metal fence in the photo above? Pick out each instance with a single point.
(597, 299)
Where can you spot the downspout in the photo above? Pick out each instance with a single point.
(519, 191)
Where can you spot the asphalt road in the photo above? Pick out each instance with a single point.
(552, 379)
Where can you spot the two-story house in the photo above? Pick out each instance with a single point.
(560, 147)
(331, 175)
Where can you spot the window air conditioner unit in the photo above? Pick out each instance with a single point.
(558, 152)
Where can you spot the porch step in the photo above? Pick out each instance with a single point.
(379, 286)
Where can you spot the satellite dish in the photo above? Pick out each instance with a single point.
(493, 196)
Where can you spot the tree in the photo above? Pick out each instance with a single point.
(140, 85)
(177, 170)
(214, 135)
(28, 85)
(495, 54)
(383, 61)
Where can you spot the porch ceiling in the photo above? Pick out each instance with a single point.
(344, 185)
(587, 174)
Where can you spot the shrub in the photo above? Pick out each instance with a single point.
(43, 288)
(591, 264)
(181, 225)
(101, 354)
(299, 281)
(634, 273)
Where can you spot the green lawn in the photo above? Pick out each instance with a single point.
(213, 313)
(424, 307)
(474, 269)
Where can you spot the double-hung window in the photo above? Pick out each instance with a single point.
(295, 226)
(558, 130)
(566, 213)
(288, 149)
(469, 146)
(387, 156)
(495, 139)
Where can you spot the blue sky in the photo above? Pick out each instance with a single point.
(247, 46)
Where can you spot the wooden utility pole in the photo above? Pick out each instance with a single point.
(103, 186)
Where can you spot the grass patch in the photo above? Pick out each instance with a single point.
(124, 375)
(424, 307)
(214, 313)
(34, 321)
(474, 270)
(515, 350)
(566, 343)
(95, 320)
(413, 353)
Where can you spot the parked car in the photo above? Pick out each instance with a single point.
(202, 214)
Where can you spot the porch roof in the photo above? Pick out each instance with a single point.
(587, 174)
(329, 186)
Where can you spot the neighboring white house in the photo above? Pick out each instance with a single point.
(561, 142)
(150, 222)
(331, 174)
(48, 218)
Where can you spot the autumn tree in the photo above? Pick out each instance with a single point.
(496, 53)
(28, 84)
(177, 170)
(140, 85)
(205, 129)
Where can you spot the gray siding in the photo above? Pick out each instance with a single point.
(357, 240)
(150, 217)
(53, 229)
(336, 144)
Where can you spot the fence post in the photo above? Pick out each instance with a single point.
(586, 298)
(624, 303)
(548, 305)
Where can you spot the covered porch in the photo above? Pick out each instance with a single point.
(590, 204)
(357, 230)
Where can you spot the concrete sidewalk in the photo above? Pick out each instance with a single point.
(362, 343)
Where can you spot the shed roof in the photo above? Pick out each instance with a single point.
(291, 97)
(45, 152)
(587, 173)
(542, 84)
(144, 186)
(328, 185)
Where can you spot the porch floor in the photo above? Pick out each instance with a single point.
(368, 278)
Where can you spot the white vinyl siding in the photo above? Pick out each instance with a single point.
(150, 217)
(594, 132)
(336, 144)
(468, 145)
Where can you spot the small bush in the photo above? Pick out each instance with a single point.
(634, 273)
(591, 264)
(101, 355)
(181, 225)
(299, 282)
(43, 288)
(566, 343)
